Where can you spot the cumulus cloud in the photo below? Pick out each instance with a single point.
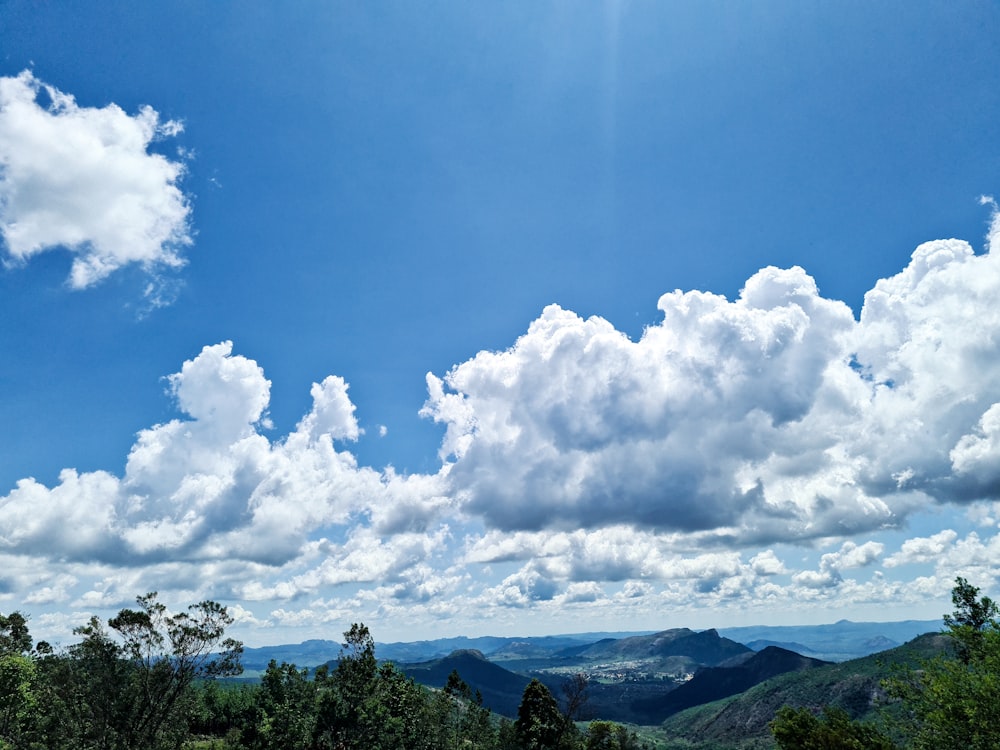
(84, 179)
(617, 553)
(776, 416)
(850, 555)
(922, 549)
(522, 589)
(212, 487)
(579, 467)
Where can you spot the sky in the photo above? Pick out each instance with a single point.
(509, 319)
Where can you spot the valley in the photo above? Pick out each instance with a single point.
(680, 678)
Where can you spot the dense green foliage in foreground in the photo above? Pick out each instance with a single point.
(951, 703)
(147, 681)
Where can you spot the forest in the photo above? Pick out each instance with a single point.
(148, 678)
(158, 681)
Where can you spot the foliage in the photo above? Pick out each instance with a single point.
(14, 636)
(952, 702)
(971, 622)
(801, 729)
(607, 735)
(955, 702)
(130, 690)
(540, 725)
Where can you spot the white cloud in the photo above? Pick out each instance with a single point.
(585, 591)
(332, 413)
(922, 549)
(576, 425)
(364, 558)
(521, 589)
(579, 468)
(83, 179)
(766, 563)
(211, 487)
(771, 418)
(850, 555)
(616, 553)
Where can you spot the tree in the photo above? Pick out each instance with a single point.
(135, 691)
(14, 635)
(167, 653)
(461, 717)
(286, 706)
(539, 725)
(367, 706)
(972, 617)
(18, 682)
(607, 735)
(345, 712)
(954, 703)
(575, 692)
(801, 729)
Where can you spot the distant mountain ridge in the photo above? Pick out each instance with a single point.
(705, 647)
(639, 678)
(833, 642)
(838, 641)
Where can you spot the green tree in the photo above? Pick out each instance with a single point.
(367, 706)
(954, 703)
(801, 729)
(540, 725)
(607, 735)
(19, 699)
(134, 689)
(167, 653)
(286, 710)
(972, 618)
(14, 635)
(225, 710)
(459, 713)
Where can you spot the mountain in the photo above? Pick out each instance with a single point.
(741, 721)
(493, 647)
(627, 673)
(837, 641)
(306, 654)
(712, 683)
(799, 648)
(705, 647)
(500, 688)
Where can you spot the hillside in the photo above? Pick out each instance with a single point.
(834, 642)
(713, 683)
(705, 647)
(741, 721)
(501, 689)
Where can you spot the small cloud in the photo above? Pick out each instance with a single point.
(922, 549)
(83, 179)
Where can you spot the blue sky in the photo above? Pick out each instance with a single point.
(340, 312)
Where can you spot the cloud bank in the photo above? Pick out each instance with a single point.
(579, 468)
(83, 179)
(773, 417)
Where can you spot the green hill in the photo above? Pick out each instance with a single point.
(741, 721)
(705, 647)
(500, 688)
(714, 683)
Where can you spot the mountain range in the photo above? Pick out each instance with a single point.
(720, 686)
(832, 642)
